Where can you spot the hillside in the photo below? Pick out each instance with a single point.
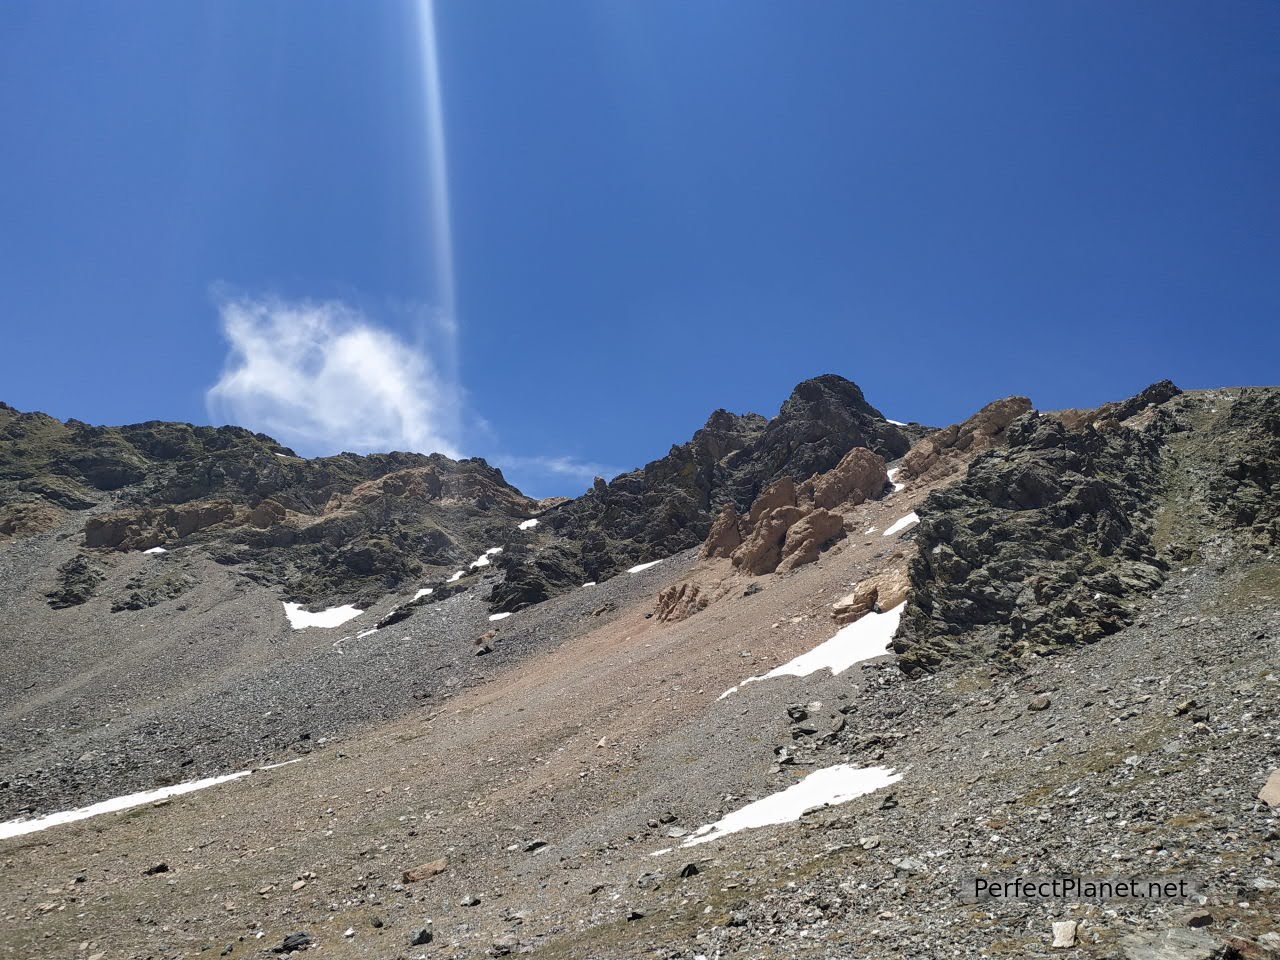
(1032, 642)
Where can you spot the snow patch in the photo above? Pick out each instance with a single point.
(17, 828)
(457, 576)
(483, 559)
(827, 787)
(896, 485)
(366, 633)
(861, 640)
(896, 423)
(156, 550)
(528, 524)
(902, 524)
(589, 583)
(644, 566)
(500, 616)
(424, 592)
(300, 619)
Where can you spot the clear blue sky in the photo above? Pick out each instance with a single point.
(658, 208)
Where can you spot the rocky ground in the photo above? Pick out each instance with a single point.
(522, 801)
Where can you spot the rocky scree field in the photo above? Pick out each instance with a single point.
(1083, 681)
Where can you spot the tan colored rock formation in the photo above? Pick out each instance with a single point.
(151, 527)
(942, 453)
(28, 519)
(761, 551)
(858, 477)
(881, 592)
(806, 538)
(725, 535)
(267, 514)
(780, 493)
(679, 601)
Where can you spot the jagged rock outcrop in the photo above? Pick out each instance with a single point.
(788, 525)
(1121, 410)
(670, 504)
(1043, 544)
(822, 420)
(807, 536)
(681, 600)
(150, 527)
(78, 581)
(725, 535)
(1245, 494)
(945, 451)
(859, 476)
(327, 529)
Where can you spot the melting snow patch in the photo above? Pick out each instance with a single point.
(896, 423)
(17, 828)
(483, 559)
(861, 640)
(589, 583)
(455, 577)
(156, 550)
(500, 616)
(896, 485)
(902, 524)
(831, 786)
(300, 619)
(528, 524)
(366, 633)
(643, 566)
(424, 592)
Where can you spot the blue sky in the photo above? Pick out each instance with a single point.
(225, 210)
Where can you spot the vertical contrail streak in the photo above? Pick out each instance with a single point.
(441, 230)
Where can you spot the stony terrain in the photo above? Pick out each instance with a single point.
(1085, 683)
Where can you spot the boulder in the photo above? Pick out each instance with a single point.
(426, 870)
(680, 601)
(1270, 792)
(881, 592)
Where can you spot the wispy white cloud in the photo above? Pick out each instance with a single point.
(569, 467)
(322, 377)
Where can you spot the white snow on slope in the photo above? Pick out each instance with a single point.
(830, 786)
(896, 485)
(455, 577)
(483, 559)
(643, 566)
(589, 583)
(861, 640)
(300, 619)
(896, 423)
(528, 524)
(156, 550)
(500, 616)
(17, 828)
(901, 524)
(424, 592)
